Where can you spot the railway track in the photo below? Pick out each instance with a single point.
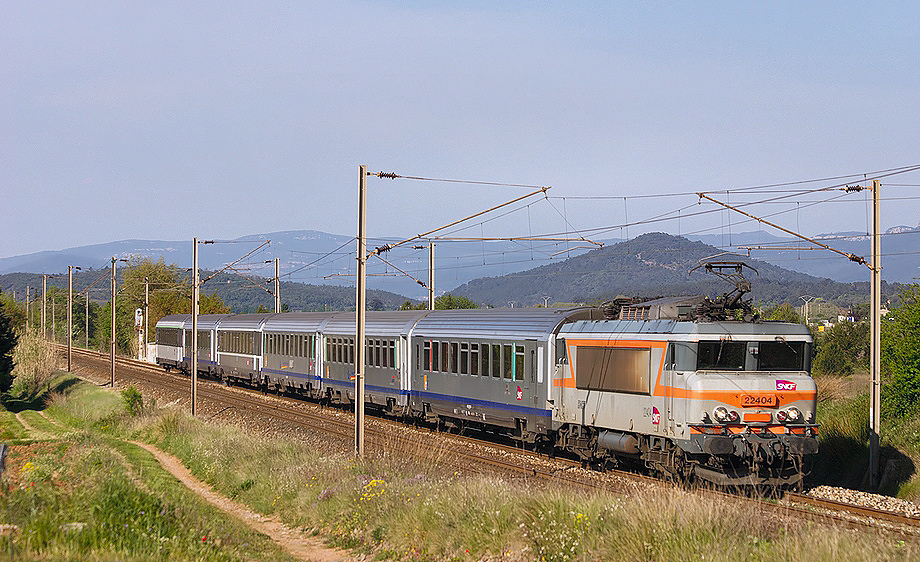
(396, 437)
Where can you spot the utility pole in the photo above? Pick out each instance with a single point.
(112, 339)
(430, 275)
(277, 285)
(430, 272)
(44, 303)
(194, 366)
(86, 344)
(146, 309)
(806, 299)
(875, 361)
(361, 311)
(70, 269)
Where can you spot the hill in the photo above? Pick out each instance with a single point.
(650, 265)
(240, 293)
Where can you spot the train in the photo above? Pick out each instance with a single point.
(682, 386)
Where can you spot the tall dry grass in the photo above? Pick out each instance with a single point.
(35, 362)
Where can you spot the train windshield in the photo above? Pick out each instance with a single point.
(721, 356)
(781, 356)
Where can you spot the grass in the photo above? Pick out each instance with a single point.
(91, 495)
(390, 507)
(843, 459)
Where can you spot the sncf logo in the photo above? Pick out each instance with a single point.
(785, 385)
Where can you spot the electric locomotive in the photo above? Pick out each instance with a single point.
(691, 387)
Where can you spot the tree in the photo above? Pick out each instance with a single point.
(210, 304)
(8, 341)
(15, 311)
(783, 313)
(444, 302)
(168, 294)
(843, 349)
(901, 355)
(449, 301)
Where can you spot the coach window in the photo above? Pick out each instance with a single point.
(484, 353)
(454, 359)
(474, 359)
(378, 359)
(392, 354)
(426, 359)
(507, 361)
(496, 360)
(435, 356)
(519, 362)
(445, 354)
(464, 358)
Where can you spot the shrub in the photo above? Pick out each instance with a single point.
(134, 402)
(843, 349)
(8, 341)
(35, 361)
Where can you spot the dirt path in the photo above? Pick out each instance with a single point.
(294, 542)
(297, 545)
(36, 433)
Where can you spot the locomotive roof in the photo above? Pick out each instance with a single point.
(383, 323)
(737, 330)
(297, 321)
(525, 323)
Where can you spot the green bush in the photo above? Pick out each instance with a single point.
(901, 356)
(843, 349)
(134, 402)
(8, 341)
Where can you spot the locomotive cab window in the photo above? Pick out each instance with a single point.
(781, 356)
(721, 355)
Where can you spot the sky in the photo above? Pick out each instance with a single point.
(171, 120)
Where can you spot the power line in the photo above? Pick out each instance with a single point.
(393, 175)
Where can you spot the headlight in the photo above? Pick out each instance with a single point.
(720, 414)
(781, 416)
(794, 414)
(733, 416)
